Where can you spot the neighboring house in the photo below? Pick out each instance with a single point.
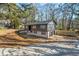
(4, 23)
(41, 28)
(76, 24)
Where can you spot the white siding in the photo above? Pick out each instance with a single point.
(51, 28)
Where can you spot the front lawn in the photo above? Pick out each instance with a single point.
(10, 37)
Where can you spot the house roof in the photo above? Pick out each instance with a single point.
(38, 22)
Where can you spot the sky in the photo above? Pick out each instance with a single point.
(41, 6)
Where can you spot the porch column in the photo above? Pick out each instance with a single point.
(47, 34)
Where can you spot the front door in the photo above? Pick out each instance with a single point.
(29, 28)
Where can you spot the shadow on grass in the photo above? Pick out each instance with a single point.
(58, 51)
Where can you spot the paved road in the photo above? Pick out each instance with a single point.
(49, 49)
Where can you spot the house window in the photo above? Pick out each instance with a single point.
(34, 27)
(42, 26)
(43, 33)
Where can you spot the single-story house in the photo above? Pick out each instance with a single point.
(41, 28)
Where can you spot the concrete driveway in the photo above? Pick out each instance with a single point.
(46, 49)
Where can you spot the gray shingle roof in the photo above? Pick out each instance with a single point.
(37, 22)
